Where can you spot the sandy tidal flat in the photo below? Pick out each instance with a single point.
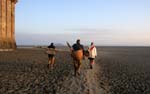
(125, 70)
(118, 70)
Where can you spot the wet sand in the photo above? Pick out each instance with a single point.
(125, 70)
(118, 70)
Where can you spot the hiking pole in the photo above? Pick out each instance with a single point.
(68, 45)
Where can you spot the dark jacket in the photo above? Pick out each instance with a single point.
(51, 46)
(77, 47)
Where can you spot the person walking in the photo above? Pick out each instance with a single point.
(92, 54)
(77, 54)
(51, 55)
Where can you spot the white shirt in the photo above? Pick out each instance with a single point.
(92, 51)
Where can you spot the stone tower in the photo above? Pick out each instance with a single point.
(7, 25)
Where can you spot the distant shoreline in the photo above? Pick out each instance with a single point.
(44, 46)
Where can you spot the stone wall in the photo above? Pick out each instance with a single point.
(7, 24)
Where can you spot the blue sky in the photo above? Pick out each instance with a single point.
(106, 22)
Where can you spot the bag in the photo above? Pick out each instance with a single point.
(77, 55)
(86, 53)
(51, 51)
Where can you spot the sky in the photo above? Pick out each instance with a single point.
(104, 22)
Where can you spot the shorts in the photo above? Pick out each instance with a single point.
(51, 55)
(91, 58)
